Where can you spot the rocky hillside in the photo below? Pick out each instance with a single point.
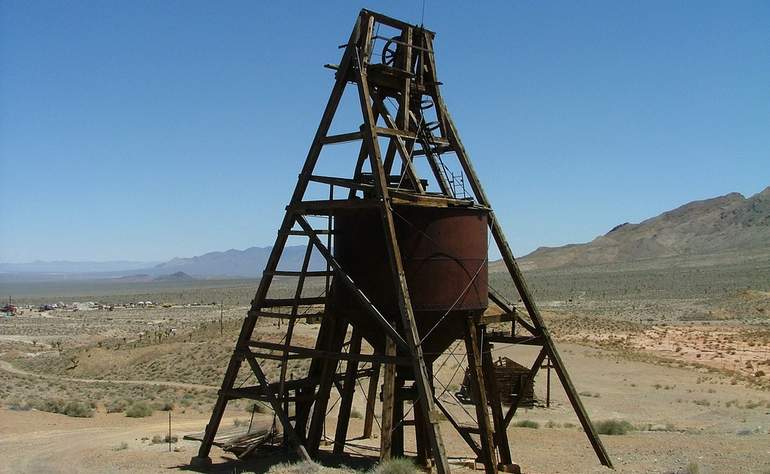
(721, 226)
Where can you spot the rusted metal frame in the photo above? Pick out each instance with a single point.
(495, 403)
(350, 284)
(410, 326)
(288, 429)
(327, 380)
(522, 390)
(460, 430)
(479, 391)
(388, 402)
(521, 286)
(348, 390)
(290, 329)
(371, 399)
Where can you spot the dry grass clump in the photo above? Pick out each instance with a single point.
(527, 424)
(306, 467)
(139, 410)
(395, 466)
(613, 427)
(64, 407)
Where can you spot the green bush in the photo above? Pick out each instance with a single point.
(64, 407)
(613, 427)
(116, 406)
(78, 410)
(139, 410)
(527, 424)
(395, 466)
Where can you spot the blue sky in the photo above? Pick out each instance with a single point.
(152, 129)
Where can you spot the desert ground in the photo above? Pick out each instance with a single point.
(679, 358)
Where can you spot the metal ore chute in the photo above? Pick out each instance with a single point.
(405, 277)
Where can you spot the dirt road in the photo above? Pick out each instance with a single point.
(8, 367)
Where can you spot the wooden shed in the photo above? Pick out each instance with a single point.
(511, 377)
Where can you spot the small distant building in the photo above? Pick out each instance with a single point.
(511, 378)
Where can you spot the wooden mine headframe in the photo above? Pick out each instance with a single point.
(401, 104)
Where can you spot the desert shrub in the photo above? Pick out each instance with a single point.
(527, 424)
(78, 409)
(116, 406)
(551, 424)
(63, 407)
(395, 466)
(170, 439)
(19, 406)
(156, 439)
(356, 414)
(306, 467)
(122, 446)
(139, 410)
(613, 427)
(692, 468)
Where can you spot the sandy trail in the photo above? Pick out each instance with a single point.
(8, 367)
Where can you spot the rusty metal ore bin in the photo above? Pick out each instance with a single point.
(444, 251)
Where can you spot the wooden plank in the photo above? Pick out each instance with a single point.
(341, 138)
(333, 355)
(496, 405)
(371, 399)
(388, 402)
(479, 393)
(278, 302)
(348, 389)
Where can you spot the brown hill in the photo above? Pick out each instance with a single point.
(717, 229)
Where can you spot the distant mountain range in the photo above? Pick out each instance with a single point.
(719, 229)
(724, 229)
(244, 263)
(248, 263)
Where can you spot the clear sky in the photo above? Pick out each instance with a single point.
(151, 129)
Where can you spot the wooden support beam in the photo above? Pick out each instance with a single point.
(341, 138)
(328, 371)
(479, 394)
(348, 390)
(332, 355)
(371, 399)
(495, 404)
(388, 402)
